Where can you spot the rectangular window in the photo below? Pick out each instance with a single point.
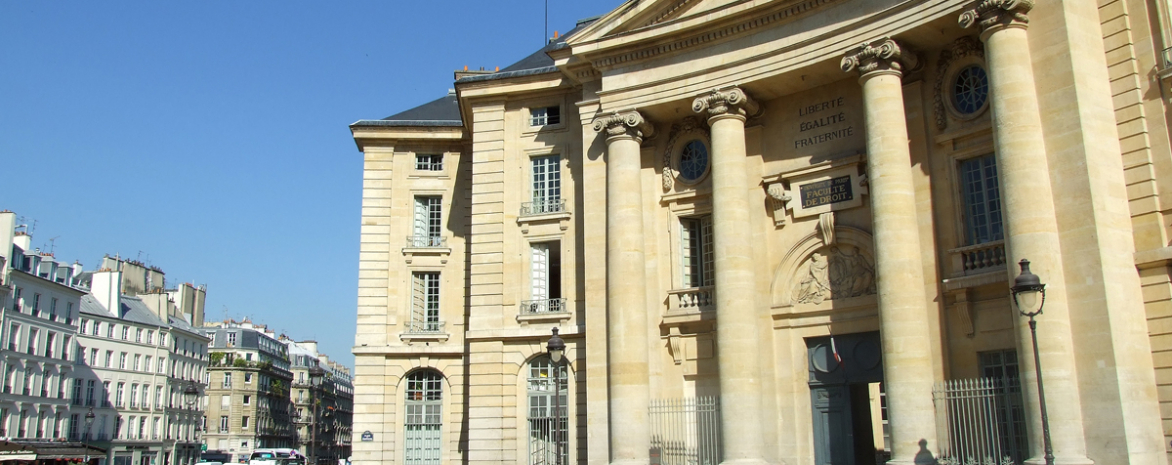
(97, 328)
(138, 335)
(137, 362)
(545, 116)
(69, 313)
(32, 341)
(9, 379)
(125, 333)
(73, 427)
(122, 361)
(150, 337)
(247, 399)
(146, 363)
(428, 221)
(110, 330)
(545, 278)
(227, 380)
(223, 423)
(696, 256)
(546, 185)
(118, 395)
(106, 393)
(94, 356)
(53, 309)
(109, 359)
(14, 337)
(76, 391)
(17, 303)
(36, 305)
(67, 348)
(425, 302)
(982, 200)
(49, 340)
(429, 162)
(231, 339)
(243, 422)
(142, 428)
(133, 396)
(89, 392)
(248, 378)
(225, 401)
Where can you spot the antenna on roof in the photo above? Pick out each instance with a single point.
(545, 33)
(52, 244)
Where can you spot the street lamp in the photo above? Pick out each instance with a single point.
(556, 347)
(316, 373)
(89, 423)
(190, 396)
(1029, 294)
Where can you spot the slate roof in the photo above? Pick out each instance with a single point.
(133, 310)
(445, 111)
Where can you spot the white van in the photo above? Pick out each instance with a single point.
(276, 456)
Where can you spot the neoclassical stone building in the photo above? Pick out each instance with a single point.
(778, 232)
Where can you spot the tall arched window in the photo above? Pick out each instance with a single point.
(423, 406)
(547, 428)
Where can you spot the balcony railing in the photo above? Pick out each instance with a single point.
(425, 327)
(539, 307)
(423, 242)
(977, 259)
(692, 299)
(543, 207)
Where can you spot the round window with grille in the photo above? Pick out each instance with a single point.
(970, 90)
(693, 161)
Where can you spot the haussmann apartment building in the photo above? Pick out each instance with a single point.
(779, 232)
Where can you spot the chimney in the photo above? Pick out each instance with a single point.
(7, 229)
(309, 345)
(107, 289)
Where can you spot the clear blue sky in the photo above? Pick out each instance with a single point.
(210, 138)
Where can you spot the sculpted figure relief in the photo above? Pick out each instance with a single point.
(837, 273)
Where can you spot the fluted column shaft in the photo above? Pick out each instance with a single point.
(1031, 230)
(903, 311)
(736, 308)
(626, 291)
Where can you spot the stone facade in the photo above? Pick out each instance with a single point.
(809, 211)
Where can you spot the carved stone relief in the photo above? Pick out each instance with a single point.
(835, 272)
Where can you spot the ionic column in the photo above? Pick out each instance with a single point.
(903, 306)
(736, 327)
(1031, 230)
(626, 290)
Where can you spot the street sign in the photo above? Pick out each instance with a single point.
(203, 447)
(367, 436)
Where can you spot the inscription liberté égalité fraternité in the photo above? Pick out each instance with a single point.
(822, 120)
(832, 190)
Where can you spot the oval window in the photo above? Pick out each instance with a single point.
(693, 160)
(970, 91)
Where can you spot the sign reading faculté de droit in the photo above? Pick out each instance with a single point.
(833, 190)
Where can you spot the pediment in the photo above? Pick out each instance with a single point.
(634, 15)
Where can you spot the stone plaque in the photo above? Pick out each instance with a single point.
(826, 192)
(820, 123)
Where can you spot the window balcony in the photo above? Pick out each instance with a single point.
(542, 310)
(694, 299)
(543, 207)
(533, 307)
(424, 331)
(978, 259)
(426, 242)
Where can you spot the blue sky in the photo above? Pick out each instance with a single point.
(210, 138)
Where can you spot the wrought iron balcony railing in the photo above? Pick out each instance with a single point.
(539, 307)
(543, 207)
(425, 327)
(423, 242)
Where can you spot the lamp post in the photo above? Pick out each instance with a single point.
(556, 347)
(1026, 291)
(89, 423)
(316, 373)
(190, 397)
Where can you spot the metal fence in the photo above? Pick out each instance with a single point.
(686, 431)
(980, 421)
(545, 434)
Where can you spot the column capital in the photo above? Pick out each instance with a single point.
(992, 14)
(730, 101)
(881, 56)
(620, 124)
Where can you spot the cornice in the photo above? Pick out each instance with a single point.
(718, 30)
